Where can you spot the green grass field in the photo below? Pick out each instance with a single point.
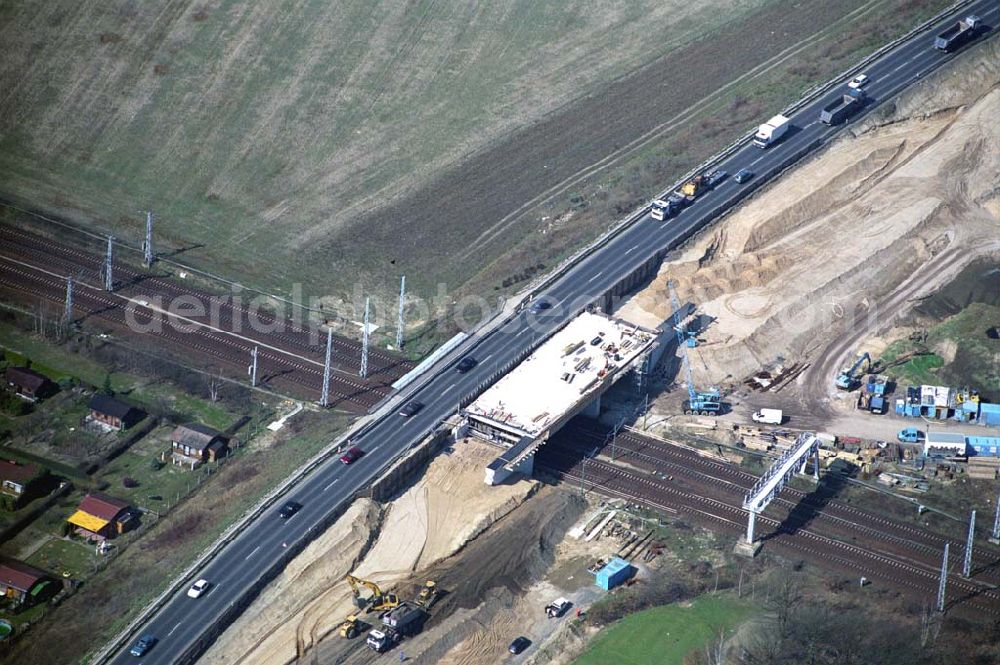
(665, 635)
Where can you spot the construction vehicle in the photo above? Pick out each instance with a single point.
(692, 189)
(843, 108)
(849, 377)
(660, 209)
(350, 627)
(405, 620)
(377, 602)
(957, 34)
(771, 131)
(428, 594)
(706, 403)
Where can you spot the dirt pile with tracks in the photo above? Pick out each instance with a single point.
(397, 546)
(825, 259)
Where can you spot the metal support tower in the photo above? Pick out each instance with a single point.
(996, 520)
(147, 247)
(253, 367)
(402, 307)
(944, 580)
(108, 261)
(774, 479)
(68, 314)
(364, 342)
(967, 562)
(324, 399)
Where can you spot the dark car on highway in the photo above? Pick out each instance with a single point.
(352, 455)
(465, 364)
(142, 645)
(743, 175)
(411, 409)
(715, 178)
(540, 306)
(519, 645)
(289, 509)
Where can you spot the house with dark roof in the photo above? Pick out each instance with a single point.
(20, 481)
(100, 517)
(22, 583)
(114, 413)
(28, 383)
(194, 443)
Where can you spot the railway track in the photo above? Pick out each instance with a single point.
(21, 281)
(912, 577)
(228, 314)
(897, 538)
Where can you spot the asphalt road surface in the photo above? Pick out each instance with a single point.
(180, 623)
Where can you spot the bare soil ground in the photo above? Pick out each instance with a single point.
(394, 546)
(827, 260)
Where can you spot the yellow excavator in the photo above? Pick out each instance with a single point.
(377, 602)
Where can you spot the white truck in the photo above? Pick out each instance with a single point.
(768, 416)
(771, 131)
(557, 608)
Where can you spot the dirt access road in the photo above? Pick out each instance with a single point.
(827, 260)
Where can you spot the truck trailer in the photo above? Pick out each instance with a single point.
(958, 34)
(768, 416)
(843, 108)
(771, 131)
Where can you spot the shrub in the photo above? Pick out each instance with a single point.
(130, 482)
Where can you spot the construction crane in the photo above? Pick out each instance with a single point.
(707, 402)
(377, 602)
(849, 377)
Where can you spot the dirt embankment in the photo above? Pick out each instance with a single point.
(397, 546)
(825, 260)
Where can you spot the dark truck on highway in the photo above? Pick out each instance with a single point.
(957, 34)
(843, 108)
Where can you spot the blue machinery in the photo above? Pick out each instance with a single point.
(705, 403)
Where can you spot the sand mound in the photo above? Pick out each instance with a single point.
(824, 251)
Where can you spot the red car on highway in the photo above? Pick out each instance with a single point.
(353, 454)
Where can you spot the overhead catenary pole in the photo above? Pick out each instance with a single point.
(402, 307)
(108, 261)
(147, 246)
(942, 583)
(324, 399)
(967, 562)
(996, 520)
(68, 314)
(253, 367)
(364, 341)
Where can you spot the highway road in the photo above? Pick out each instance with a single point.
(180, 624)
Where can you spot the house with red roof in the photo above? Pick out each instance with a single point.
(100, 517)
(22, 583)
(20, 482)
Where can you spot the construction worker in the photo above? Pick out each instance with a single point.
(402, 656)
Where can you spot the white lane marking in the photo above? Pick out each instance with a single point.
(629, 251)
(523, 330)
(595, 277)
(445, 391)
(176, 626)
(754, 162)
(252, 553)
(486, 358)
(905, 64)
(331, 485)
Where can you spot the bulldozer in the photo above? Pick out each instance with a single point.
(428, 594)
(377, 602)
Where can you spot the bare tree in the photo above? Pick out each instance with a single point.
(214, 383)
(715, 652)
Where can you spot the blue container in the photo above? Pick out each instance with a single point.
(989, 414)
(614, 573)
(984, 446)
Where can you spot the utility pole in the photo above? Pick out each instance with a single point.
(324, 399)
(402, 307)
(108, 260)
(364, 342)
(996, 522)
(147, 247)
(253, 367)
(68, 314)
(967, 563)
(944, 579)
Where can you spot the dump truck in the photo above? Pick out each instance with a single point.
(958, 34)
(768, 416)
(771, 131)
(843, 108)
(403, 621)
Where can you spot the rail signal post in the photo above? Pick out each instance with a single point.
(324, 399)
(109, 281)
(147, 246)
(402, 311)
(771, 483)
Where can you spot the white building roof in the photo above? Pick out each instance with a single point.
(561, 372)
